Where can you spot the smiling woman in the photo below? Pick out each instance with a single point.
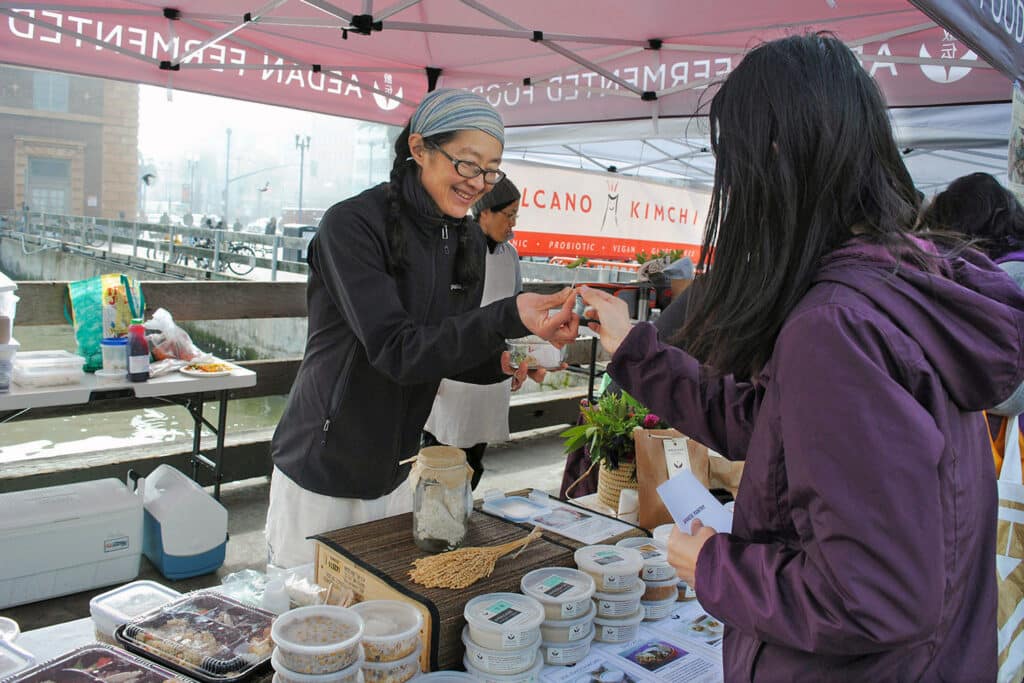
(394, 293)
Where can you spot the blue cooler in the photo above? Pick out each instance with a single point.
(185, 531)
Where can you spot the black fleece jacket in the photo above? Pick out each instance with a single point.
(379, 344)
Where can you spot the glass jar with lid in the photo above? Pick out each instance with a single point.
(442, 498)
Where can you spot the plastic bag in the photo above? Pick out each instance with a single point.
(102, 307)
(169, 341)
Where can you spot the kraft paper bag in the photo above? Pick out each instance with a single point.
(658, 450)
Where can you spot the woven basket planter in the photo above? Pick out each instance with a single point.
(611, 482)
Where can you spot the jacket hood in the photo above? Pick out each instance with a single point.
(968, 317)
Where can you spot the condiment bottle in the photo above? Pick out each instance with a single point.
(138, 352)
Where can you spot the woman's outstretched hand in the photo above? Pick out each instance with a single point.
(683, 549)
(537, 311)
(612, 315)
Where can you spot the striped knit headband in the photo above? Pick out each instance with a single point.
(447, 110)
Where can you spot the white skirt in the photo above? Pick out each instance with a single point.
(296, 513)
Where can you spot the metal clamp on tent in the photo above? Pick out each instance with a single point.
(364, 25)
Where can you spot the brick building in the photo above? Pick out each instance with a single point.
(68, 144)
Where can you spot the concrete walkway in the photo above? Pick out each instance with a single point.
(535, 461)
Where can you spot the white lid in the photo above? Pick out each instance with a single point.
(662, 532)
(609, 559)
(7, 284)
(504, 613)
(557, 585)
(23, 509)
(633, 593)
(191, 520)
(628, 620)
(120, 605)
(388, 620)
(9, 629)
(33, 361)
(334, 612)
(13, 659)
(654, 552)
(531, 674)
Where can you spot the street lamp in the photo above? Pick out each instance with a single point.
(301, 144)
(227, 176)
(192, 163)
(147, 179)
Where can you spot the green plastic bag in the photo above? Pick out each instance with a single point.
(102, 307)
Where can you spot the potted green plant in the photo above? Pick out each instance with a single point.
(605, 433)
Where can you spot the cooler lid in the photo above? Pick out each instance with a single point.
(7, 284)
(55, 504)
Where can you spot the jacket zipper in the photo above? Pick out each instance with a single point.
(444, 236)
(335, 403)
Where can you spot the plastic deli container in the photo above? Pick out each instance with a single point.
(531, 675)
(398, 671)
(618, 630)
(47, 368)
(13, 659)
(656, 566)
(95, 663)
(205, 635)
(501, 621)
(115, 354)
(613, 569)
(352, 674)
(662, 532)
(565, 593)
(318, 639)
(9, 629)
(618, 605)
(659, 591)
(119, 606)
(499, 661)
(445, 677)
(391, 629)
(653, 611)
(568, 630)
(536, 353)
(567, 654)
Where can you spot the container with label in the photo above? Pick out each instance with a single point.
(138, 352)
(122, 604)
(568, 630)
(391, 629)
(352, 674)
(564, 592)
(655, 610)
(319, 639)
(616, 605)
(567, 654)
(531, 675)
(621, 630)
(656, 566)
(504, 661)
(115, 354)
(657, 591)
(502, 621)
(614, 569)
(398, 671)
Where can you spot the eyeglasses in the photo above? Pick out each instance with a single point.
(513, 215)
(469, 169)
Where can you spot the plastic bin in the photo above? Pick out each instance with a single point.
(185, 529)
(7, 354)
(119, 606)
(47, 368)
(8, 306)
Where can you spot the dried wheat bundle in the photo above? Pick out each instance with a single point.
(463, 567)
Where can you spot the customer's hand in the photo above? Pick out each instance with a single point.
(612, 314)
(683, 549)
(536, 312)
(518, 374)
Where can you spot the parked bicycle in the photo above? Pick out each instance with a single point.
(238, 267)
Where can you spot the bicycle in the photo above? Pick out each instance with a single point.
(240, 268)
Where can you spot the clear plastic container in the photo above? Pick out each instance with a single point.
(622, 630)
(95, 663)
(568, 630)
(318, 639)
(531, 675)
(445, 677)
(567, 654)
(13, 659)
(662, 532)
(9, 629)
(501, 621)
(564, 592)
(115, 354)
(503, 661)
(614, 605)
(656, 566)
(205, 635)
(536, 353)
(398, 671)
(47, 368)
(120, 605)
(613, 568)
(655, 610)
(391, 629)
(658, 591)
(352, 674)
(7, 354)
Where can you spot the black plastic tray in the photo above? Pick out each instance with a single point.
(86, 665)
(235, 637)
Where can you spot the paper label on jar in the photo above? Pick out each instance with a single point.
(658, 572)
(555, 585)
(498, 663)
(616, 581)
(616, 608)
(138, 364)
(501, 612)
(618, 634)
(677, 456)
(567, 654)
(649, 550)
(604, 557)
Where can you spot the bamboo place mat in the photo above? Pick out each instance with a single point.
(385, 548)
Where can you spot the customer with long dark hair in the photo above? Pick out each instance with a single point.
(842, 361)
(395, 283)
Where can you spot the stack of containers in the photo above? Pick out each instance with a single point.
(661, 534)
(122, 604)
(568, 626)
(503, 638)
(318, 644)
(616, 573)
(391, 640)
(660, 581)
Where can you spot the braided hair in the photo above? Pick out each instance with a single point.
(468, 266)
